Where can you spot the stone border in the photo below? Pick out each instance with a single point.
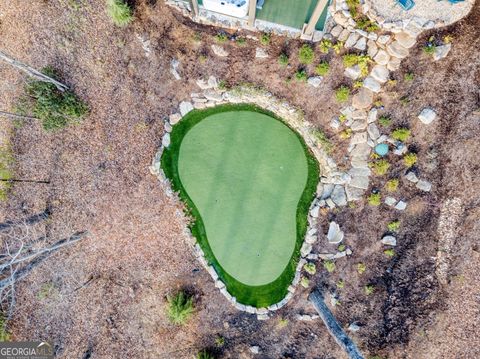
(213, 96)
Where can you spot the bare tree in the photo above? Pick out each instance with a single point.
(31, 71)
(25, 245)
(333, 327)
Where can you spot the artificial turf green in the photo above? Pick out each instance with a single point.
(248, 181)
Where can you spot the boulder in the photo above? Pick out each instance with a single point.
(353, 327)
(441, 52)
(405, 39)
(424, 185)
(185, 107)
(174, 118)
(395, 49)
(338, 196)
(315, 81)
(389, 240)
(219, 51)
(383, 39)
(390, 201)
(352, 40)
(401, 205)
(372, 84)
(380, 73)
(166, 140)
(372, 115)
(353, 193)
(358, 125)
(359, 137)
(255, 349)
(394, 64)
(344, 35)
(372, 48)
(361, 182)
(174, 69)
(361, 44)
(427, 116)
(412, 177)
(373, 131)
(212, 82)
(213, 96)
(382, 57)
(261, 53)
(336, 31)
(352, 72)
(361, 150)
(362, 99)
(335, 234)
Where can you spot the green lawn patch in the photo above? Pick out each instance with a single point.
(248, 181)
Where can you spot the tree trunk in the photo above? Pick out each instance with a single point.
(333, 327)
(31, 71)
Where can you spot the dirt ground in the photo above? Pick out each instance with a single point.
(105, 296)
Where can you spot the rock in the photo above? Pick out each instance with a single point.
(382, 57)
(219, 51)
(330, 203)
(441, 52)
(427, 116)
(353, 194)
(361, 150)
(362, 99)
(372, 115)
(167, 127)
(353, 327)
(359, 115)
(372, 36)
(390, 201)
(383, 39)
(185, 107)
(361, 44)
(358, 162)
(359, 172)
(338, 196)
(166, 140)
(335, 234)
(373, 131)
(327, 191)
(424, 185)
(380, 73)
(400, 149)
(401, 205)
(174, 118)
(352, 72)
(261, 53)
(372, 48)
(412, 177)
(395, 49)
(315, 81)
(359, 137)
(372, 84)
(344, 35)
(174, 69)
(405, 40)
(394, 64)
(203, 84)
(359, 125)
(306, 249)
(352, 39)
(212, 82)
(315, 211)
(360, 182)
(213, 96)
(389, 240)
(255, 349)
(336, 31)
(335, 123)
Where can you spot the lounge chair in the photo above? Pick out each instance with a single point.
(406, 4)
(260, 4)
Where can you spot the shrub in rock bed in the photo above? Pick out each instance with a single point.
(119, 11)
(265, 39)
(56, 109)
(204, 354)
(301, 76)
(394, 226)
(380, 167)
(180, 308)
(325, 45)
(392, 185)
(322, 68)
(384, 121)
(375, 199)
(283, 59)
(401, 134)
(361, 268)
(342, 94)
(329, 266)
(306, 55)
(410, 159)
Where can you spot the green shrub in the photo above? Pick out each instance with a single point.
(409, 76)
(241, 41)
(322, 68)
(341, 247)
(301, 76)
(120, 13)
(204, 354)
(282, 323)
(305, 282)
(394, 226)
(375, 199)
(404, 100)
(369, 289)
(337, 47)
(325, 45)
(265, 38)
(219, 341)
(221, 37)
(389, 252)
(306, 55)
(364, 23)
(429, 48)
(6, 170)
(222, 85)
(329, 266)
(401, 134)
(342, 94)
(310, 268)
(362, 61)
(56, 109)
(180, 308)
(342, 118)
(323, 140)
(392, 185)
(353, 7)
(358, 84)
(384, 121)
(346, 134)
(380, 167)
(410, 159)
(340, 284)
(4, 334)
(361, 268)
(283, 59)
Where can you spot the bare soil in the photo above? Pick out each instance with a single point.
(106, 295)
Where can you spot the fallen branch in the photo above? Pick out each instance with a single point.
(29, 221)
(17, 117)
(31, 71)
(333, 327)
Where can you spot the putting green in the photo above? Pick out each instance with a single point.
(246, 177)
